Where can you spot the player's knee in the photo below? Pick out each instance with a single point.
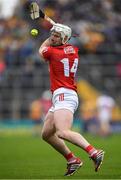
(62, 134)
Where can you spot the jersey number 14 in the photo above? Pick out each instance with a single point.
(67, 69)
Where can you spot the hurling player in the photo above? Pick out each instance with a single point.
(63, 62)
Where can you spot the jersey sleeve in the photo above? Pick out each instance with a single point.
(46, 52)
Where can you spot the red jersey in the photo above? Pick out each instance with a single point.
(63, 63)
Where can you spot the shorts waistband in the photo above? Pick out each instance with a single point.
(64, 90)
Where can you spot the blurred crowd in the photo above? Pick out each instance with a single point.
(96, 26)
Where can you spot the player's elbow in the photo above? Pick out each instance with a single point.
(40, 53)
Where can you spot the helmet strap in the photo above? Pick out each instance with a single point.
(65, 39)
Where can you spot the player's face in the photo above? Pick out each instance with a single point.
(55, 39)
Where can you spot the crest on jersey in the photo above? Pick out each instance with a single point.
(69, 50)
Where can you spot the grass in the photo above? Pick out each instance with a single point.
(26, 157)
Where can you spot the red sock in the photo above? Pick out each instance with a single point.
(69, 156)
(90, 150)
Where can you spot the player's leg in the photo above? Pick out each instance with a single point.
(49, 135)
(63, 122)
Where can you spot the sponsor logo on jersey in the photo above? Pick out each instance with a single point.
(69, 50)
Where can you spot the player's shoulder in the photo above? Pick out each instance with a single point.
(46, 49)
(70, 49)
(69, 46)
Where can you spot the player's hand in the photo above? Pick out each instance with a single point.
(35, 11)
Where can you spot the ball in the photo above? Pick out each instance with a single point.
(34, 32)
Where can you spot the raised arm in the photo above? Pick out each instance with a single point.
(45, 44)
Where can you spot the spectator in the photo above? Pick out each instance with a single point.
(38, 109)
(88, 116)
(36, 116)
(2, 66)
(105, 105)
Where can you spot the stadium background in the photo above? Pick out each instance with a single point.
(23, 77)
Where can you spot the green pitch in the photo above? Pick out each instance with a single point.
(28, 157)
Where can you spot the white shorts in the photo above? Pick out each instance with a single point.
(104, 116)
(64, 98)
